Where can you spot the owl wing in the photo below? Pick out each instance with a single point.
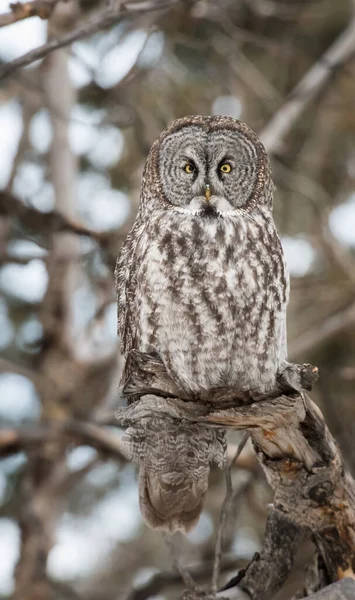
(126, 282)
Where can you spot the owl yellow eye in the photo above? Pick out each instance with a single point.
(189, 168)
(226, 168)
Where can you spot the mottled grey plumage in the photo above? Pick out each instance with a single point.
(202, 281)
(174, 463)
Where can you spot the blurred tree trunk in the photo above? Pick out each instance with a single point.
(42, 486)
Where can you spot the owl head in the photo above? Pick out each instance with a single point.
(208, 165)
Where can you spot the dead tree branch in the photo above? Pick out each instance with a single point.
(224, 515)
(314, 494)
(341, 590)
(340, 51)
(24, 10)
(98, 22)
(319, 334)
(27, 438)
(160, 581)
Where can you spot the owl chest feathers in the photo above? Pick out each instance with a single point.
(211, 300)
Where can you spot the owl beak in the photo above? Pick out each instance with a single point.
(207, 192)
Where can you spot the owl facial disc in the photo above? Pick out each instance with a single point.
(217, 160)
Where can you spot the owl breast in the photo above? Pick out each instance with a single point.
(211, 299)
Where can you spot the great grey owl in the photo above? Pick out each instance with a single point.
(201, 283)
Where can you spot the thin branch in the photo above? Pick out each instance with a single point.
(13, 440)
(52, 222)
(65, 590)
(318, 196)
(161, 580)
(338, 253)
(7, 366)
(25, 10)
(182, 571)
(224, 514)
(29, 108)
(340, 51)
(319, 334)
(248, 72)
(97, 23)
(246, 460)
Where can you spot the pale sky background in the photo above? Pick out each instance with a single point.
(85, 542)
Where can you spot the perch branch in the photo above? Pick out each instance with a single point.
(314, 494)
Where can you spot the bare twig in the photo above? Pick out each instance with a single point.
(248, 73)
(224, 514)
(99, 22)
(318, 196)
(319, 334)
(65, 590)
(29, 108)
(13, 440)
(7, 366)
(239, 449)
(183, 572)
(25, 10)
(340, 51)
(46, 224)
(246, 460)
(220, 531)
(163, 579)
(338, 253)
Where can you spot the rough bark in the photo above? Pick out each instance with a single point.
(314, 493)
(341, 590)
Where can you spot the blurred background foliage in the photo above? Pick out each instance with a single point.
(75, 131)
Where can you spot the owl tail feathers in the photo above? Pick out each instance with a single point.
(171, 501)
